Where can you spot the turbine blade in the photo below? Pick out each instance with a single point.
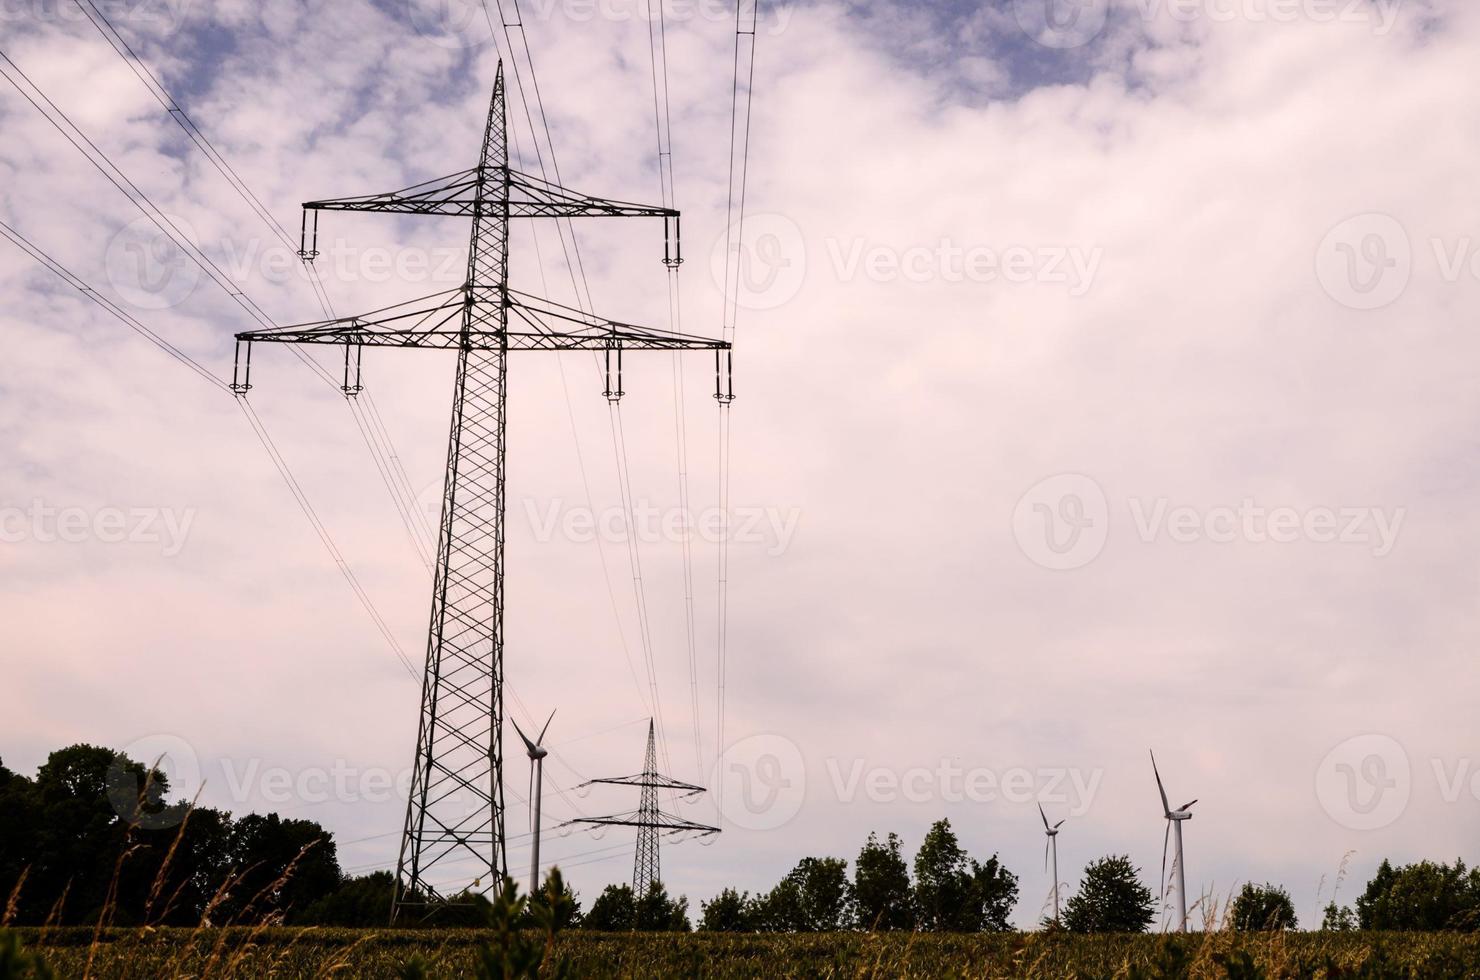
(1165, 839)
(1187, 806)
(527, 743)
(541, 739)
(1044, 816)
(1166, 808)
(1046, 842)
(531, 794)
(1059, 824)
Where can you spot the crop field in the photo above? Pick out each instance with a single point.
(291, 953)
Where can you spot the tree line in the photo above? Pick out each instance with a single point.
(93, 834)
(950, 892)
(69, 856)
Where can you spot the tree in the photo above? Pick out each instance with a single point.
(994, 892)
(656, 912)
(555, 905)
(78, 834)
(283, 866)
(617, 910)
(467, 909)
(1338, 918)
(942, 882)
(1111, 898)
(780, 909)
(89, 772)
(356, 903)
(199, 865)
(729, 911)
(20, 825)
(69, 830)
(954, 893)
(881, 886)
(827, 897)
(614, 910)
(88, 806)
(1423, 896)
(1263, 908)
(77, 829)
(813, 897)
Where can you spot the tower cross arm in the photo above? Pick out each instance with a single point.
(665, 823)
(458, 194)
(436, 322)
(648, 779)
(531, 197)
(455, 194)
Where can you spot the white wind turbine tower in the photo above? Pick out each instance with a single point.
(1174, 819)
(1052, 845)
(537, 753)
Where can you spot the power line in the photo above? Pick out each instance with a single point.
(745, 24)
(377, 437)
(381, 457)
(64, 125)
(257, 427)
(323, 532)
(581, 286)
(100, 160)
(575, 433)
(663, 132)
(127, 319)
(104, 164)
(172, 108)
(371, 426)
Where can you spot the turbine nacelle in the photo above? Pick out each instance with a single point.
(536, 750)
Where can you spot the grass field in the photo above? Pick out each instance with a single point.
(291, 953)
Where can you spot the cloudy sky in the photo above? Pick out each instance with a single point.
(1104, 382)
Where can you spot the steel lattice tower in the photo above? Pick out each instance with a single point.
(651, 822)
(456, 807)
(646, 868)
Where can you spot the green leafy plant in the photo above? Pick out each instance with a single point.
(17, 964)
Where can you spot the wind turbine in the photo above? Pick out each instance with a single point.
(537, 753)
(1052, 844)
(1174, 819)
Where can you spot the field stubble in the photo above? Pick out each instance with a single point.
(294, 952)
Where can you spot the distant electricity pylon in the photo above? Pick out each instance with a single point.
(459, 740)
(650, 821)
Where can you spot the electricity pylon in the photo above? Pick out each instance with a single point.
(459, 740)
(650, 821)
